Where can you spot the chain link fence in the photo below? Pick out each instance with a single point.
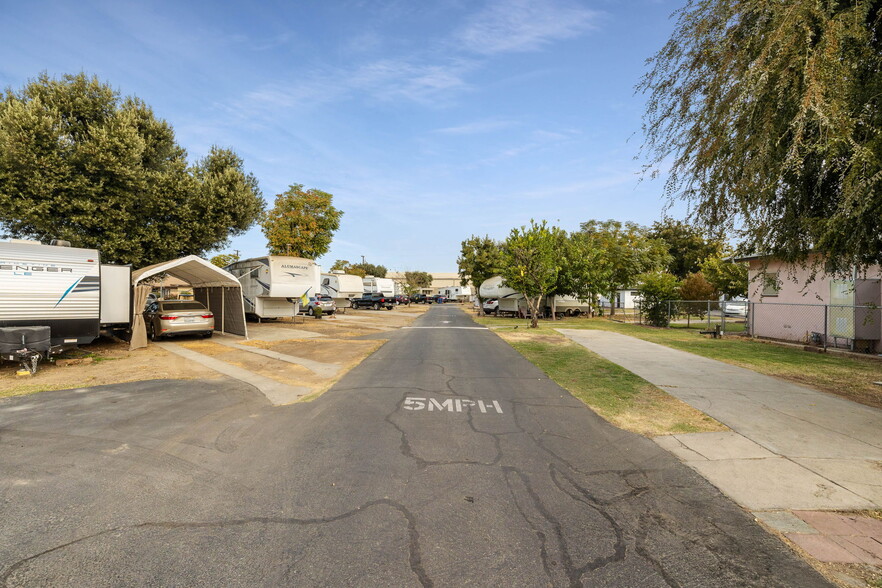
(856, 328)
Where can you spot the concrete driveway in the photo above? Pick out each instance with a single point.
(445, 459)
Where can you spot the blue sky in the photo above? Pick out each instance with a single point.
(428, 121)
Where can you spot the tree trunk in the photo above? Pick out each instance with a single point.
(554, 308)
(612, 304)
(534, 319)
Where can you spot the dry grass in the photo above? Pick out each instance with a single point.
(622, 398)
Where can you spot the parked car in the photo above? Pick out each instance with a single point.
(402, 299)
(178, 317)
(490, 305)
(326, 303)
(375, 301)
(419, 299)
(735, 308)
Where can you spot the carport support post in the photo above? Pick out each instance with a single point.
(223, 309)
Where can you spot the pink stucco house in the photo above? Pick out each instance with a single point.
(803, 303)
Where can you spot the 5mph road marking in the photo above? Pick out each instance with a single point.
(450, 404)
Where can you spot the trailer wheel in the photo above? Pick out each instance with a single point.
(568, 312)
(576, 312)
(376, 306)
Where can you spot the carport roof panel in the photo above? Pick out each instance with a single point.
(194, 270)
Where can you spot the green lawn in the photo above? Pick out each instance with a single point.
(624, 399)
(850, 377)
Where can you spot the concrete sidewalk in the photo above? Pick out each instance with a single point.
(791, 447)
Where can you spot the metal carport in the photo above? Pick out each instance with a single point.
(217, 289)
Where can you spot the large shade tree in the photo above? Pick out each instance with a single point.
(480, 258)
(531, 264)
(81, 163)
(301, 223)
(770, 116)
(627, 249)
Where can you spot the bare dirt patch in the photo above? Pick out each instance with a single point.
(112, 363)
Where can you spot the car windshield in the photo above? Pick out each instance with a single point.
(185, 305)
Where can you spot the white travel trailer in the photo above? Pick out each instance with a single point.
(272, 286)
(342, 288)
(53, 297)
(384, 286)
(510, 301)
(460, 293)
(568, 305)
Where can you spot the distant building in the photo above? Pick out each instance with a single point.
(441, 281)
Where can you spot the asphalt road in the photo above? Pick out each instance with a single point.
(506, 481)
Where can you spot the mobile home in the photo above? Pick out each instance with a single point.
(384, 286)
(54, 297)
(342, 288)
(273, 286)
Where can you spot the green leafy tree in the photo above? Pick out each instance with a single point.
(728, 277)
(771, 116)
(480, 258)
(360, 269)
(81, 163)
(687, 246)
(657, 290)
(695, 291)
(583, 273)
(416, 281)
(530, 263)
(345, 266)
(225, 259)
(369, 269)
(627, 251)
(302, 223)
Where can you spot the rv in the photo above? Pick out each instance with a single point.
(55, 297)
(510, 301)
(384, 286)
(273, 286)
(342, 288)
(458, 293)
(568, 306)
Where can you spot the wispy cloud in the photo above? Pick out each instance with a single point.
(477, 127)
(524, 25)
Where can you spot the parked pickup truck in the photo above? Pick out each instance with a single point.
(374, 301)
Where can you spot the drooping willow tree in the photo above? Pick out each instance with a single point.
(767, 117)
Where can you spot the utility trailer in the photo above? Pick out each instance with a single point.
(56, 297)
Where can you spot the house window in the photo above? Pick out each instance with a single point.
(770, 284)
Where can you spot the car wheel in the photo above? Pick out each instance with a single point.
(208, 334)
(376, 306)
(352, 304)
(151, 331)
(388, 308)
(310, 311)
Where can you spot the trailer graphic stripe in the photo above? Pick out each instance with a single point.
(66, 292)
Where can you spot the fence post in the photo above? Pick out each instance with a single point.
(708, 316)
(669, 313)
(751, 311)
(723, 307)
(826, 312)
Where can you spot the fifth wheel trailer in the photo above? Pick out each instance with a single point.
(342, 288)
(54, 297)
(384, 286)
(273, 286)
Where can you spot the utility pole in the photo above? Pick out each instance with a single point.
(362, 260)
